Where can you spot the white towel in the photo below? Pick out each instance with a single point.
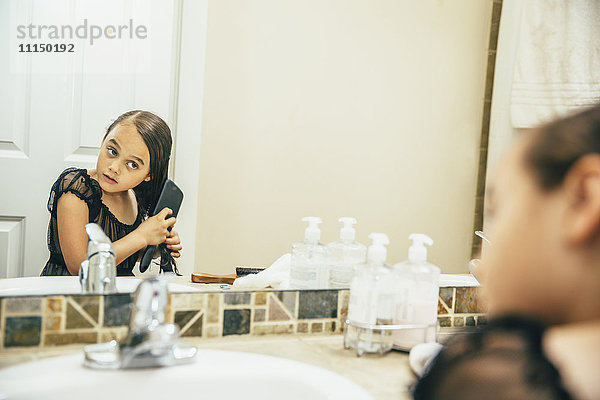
(277, 276)
(558, 60)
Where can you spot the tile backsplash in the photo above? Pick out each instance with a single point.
(48, 321)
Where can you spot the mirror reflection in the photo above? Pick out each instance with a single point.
(298, 132)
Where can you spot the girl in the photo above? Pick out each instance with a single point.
(541, 276)
(118, 195)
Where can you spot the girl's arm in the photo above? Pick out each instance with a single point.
(73, 215)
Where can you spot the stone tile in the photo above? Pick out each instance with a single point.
(288, 299)
(445, 322)
(196, 300)
(466, 301)
(61, 339)
(117, 309)
(22, 305)
(178, 301)
(259, 314)
(260, 299)
(316, 327)
(116, 334)
(55, 304)
(187, 301)
(212, 308)
(236, 322)
(90, 304)
(272, 329)
(212, 331)
(343, 300)
(276, 311)
(237, 298)
(447, 295)
(441, 310)
(302, 327)
(330, 326)
(195, 329)
(53, 322)
(459, 322)
(22, 331)
(317, 304)
(183, 317)
(75, 320)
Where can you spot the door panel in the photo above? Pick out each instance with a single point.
(54, 108)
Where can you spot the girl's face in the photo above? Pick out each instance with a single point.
(522, 270)
(124, 161)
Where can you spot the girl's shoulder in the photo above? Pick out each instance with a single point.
(76, 181)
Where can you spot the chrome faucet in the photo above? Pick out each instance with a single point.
(150, 342)
(97, 274)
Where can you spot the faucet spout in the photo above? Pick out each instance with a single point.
(98, 273)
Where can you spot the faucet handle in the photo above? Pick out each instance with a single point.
(150, 302)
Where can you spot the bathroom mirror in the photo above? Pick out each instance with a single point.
(370, 110)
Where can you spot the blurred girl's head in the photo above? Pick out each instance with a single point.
(544, 223)
(144, 162)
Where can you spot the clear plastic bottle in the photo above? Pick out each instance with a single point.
(419, 282)
(345, 255)
(372, 301)
(310, 259)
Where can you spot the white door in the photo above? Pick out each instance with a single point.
(55, 107)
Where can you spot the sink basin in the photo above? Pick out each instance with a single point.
(457, 280)
(216, 374)
(49, 285)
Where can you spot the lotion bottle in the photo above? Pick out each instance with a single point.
(310, 259)
(372, 301)
(419, 289)
(346, 255)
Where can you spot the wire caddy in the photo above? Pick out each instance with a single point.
(379, 338)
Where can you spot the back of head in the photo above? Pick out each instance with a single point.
(559, 144)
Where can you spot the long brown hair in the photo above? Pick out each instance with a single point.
(157, 136)
(558, 145)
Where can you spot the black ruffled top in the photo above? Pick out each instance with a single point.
(78, 182)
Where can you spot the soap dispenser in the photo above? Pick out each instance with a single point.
(345, 255)
(372, 302)
(419, 280)
(310, 259)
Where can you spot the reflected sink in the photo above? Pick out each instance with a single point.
(458, 280)
(66, 285)
(216, 374)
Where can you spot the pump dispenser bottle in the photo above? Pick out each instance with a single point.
(419, 281)
(372, 301)
(346, 255)
(309, 259)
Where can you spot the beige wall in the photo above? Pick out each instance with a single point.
(366, 108)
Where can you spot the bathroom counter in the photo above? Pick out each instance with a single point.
(385, 377)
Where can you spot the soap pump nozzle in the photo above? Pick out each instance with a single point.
(377, 251)
(312, 233)
(417, 253)
(348, 232)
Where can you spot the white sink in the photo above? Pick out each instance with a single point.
(457, 280)
(216, 374)
(66, 285)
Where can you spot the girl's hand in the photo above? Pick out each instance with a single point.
(154, 230)
(174, 244)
